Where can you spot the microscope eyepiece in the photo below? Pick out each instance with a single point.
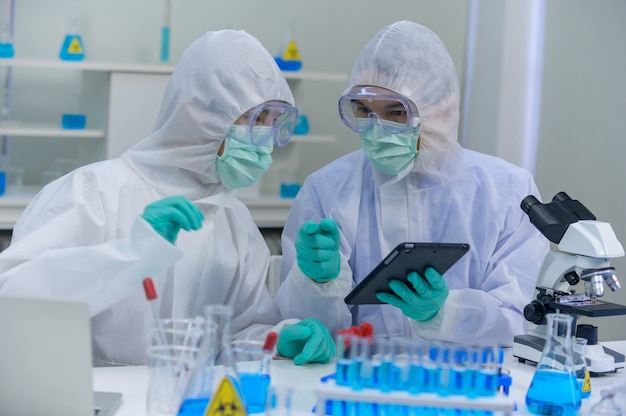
(528, 202)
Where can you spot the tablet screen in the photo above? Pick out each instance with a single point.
(405, 258)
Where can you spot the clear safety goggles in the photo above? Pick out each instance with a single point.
(273, 120)
(362, 106)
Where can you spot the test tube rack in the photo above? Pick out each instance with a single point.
(329, 390)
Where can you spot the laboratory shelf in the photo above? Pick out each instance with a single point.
(86, 65)
(52, 132)
(312, 138)
(145, 68)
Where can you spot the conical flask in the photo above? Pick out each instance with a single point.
(554, 389)
(215, 384)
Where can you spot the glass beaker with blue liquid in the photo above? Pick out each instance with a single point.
(554, 389)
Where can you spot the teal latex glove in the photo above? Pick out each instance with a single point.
(317, 250)
(423, 301)
(308, 341)
(169, 215)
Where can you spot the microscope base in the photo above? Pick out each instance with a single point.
(600, 358)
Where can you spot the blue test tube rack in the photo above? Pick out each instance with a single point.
(377, 377)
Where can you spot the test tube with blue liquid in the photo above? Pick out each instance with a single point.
(345, 367)
(416, 368)
(489, 371)
(431, 367)
(402, 351)
(382, 362)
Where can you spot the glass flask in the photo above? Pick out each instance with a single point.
(554, 389)
(215, 383)
(606, 406)
(580, 366)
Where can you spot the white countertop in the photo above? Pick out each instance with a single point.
(132, 382)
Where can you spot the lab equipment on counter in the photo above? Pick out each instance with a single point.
(554, 389)
(607, 405)
(215, 382)
(585, 247)
(378, 376)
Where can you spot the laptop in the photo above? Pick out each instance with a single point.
(46, 360)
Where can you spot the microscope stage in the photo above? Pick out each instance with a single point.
(599, 308)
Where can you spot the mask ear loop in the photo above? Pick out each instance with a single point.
(415, 121)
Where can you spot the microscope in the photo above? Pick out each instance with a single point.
(585, 246)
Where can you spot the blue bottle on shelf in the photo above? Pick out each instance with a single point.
(72, 48)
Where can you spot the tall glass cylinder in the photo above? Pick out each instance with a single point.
(554, 389)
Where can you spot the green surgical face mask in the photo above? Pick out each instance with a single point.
(390, 153)
(243, 163)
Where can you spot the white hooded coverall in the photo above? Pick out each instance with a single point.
(82, 238)
(448, 195)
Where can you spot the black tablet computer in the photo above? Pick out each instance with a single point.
(405, 258)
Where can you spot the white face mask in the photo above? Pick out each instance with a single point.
(390, 153)
(243, 163)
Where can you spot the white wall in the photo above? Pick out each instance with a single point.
(582, 137)
(329, 34)
(582, 110)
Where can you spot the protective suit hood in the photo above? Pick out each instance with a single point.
(411, 60)
(219, 77)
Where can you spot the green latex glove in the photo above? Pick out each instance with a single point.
(423, 301)
(308, 341)
(317, 250)
(169, 215)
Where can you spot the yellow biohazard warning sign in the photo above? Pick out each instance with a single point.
(587, 383)
(72, 48)
(75, 46)
(291, 52)
(226, 401)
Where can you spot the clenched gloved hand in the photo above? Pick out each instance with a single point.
(423, 301)
(317, 250)
(169, 215)
(308, 341)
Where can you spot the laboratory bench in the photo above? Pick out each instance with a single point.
(132, 383)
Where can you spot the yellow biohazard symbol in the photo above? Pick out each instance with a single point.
(586, 383)
(75, 46)
(226, 401)
(291, 52)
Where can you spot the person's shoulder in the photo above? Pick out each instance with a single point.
(493, 164)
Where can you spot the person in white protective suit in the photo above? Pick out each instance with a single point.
(411, 182)
(94, 234)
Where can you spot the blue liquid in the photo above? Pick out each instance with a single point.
(165, 44)
(302, 126)
(486, 384)
(255, 391)
(73, 121)
(416, 379)
(288, 65)
(193, 407)
(584, 394)
(553, 393)
(289, 190)
(431, 380)
(342, 375)
(6, 50)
